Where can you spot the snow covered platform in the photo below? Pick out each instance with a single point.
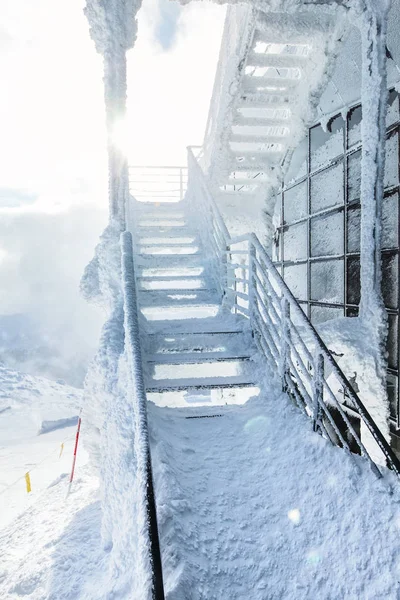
(253, 504)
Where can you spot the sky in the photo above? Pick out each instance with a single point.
(53, 176)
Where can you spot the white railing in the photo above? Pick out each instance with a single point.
(252, 286)
(157, 184)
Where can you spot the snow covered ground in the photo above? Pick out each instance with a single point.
(36, 416)
(251, 503)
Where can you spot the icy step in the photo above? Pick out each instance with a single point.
(181, 297)
(175, 385)
(265, 84)
(257, 137)
(261, 100)
(170, 259)
(170, 223)
(186, 312)
(168, 249)
(178, 358)
(182, 292)
(157, 230)
(203, 397)
(147, 284)
(182, 272)
(198, 370)
(168, 241)
(203, 343)
(278, 61)
(210, 326)
(157, 213)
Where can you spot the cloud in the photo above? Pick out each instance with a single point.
(53, 175)
(12, 198)
(44, 258)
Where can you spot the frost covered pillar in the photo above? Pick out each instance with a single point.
(374, 102)
(373, 23)
(113, 29)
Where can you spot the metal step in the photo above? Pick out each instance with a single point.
(260, 138)
(279, 61)
(264, 100)
(144, 231)
(181, 291)
(212, 326)
(173, 284)
(168, 241)
(205, 344)
(179, 358)
(213, 383)
(169, 297)
(169, 260)
(286, 85)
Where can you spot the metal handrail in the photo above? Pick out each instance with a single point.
(141, 439)
(255, 289)
(158, 182)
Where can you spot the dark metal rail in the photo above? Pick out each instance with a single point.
(142, 445)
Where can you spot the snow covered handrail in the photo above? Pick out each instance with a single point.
(212, 225)
(287, 339)
(141, 439)
(157, 183)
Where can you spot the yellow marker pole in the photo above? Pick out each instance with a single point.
(28, 482)
(61, 450)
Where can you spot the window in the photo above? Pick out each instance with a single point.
(320, 227)
(354, 176)
(327, 188)
(353, 229)
(327, 235)
(295, 241)
(353, 280)
(354, 126)
(327, 281)
(296, 278)
(326, 145)
(295, 203)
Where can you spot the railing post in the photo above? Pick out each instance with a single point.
(252, 279)
(285, 343)
(318, 391)
(235, 298)
(181, 183)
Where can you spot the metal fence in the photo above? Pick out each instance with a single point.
(157, 184)
(251, 285)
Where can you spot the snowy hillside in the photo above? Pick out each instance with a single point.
(36, 416)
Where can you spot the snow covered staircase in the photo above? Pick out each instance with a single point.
(270, 70)
(194, 352)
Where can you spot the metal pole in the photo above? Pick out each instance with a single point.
(318, 391)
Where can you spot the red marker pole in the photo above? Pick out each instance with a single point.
(75, 452)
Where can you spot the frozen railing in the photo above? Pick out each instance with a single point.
(157, 184)
(137, 388)
(289, 343)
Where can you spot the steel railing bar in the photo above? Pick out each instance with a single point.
(266, 290)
